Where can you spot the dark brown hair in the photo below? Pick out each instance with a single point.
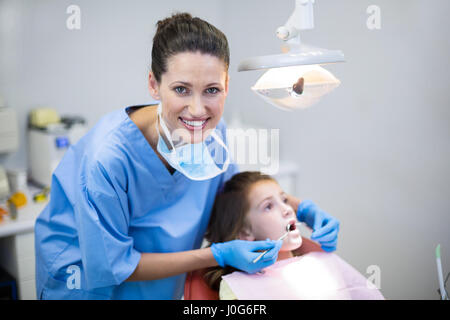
(180, 33)
(228, 217)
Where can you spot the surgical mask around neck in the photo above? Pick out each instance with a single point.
(194, 160)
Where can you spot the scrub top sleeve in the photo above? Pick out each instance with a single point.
(102, 216)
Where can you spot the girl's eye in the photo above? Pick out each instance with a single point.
(285, 200)
(212, 90)
(268, 207)
(180, 90)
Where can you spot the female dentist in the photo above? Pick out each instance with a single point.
(129, 205)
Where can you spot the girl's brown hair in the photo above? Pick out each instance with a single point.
(228, 217)
(180, 33)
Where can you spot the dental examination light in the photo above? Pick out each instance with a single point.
(295, 79)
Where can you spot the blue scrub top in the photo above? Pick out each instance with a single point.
(111, 199)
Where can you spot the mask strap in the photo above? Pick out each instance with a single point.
(220, 141)
(166, 131)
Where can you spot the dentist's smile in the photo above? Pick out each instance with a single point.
(194, 124)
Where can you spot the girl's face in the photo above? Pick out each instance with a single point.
(192, 92)
(269, 214)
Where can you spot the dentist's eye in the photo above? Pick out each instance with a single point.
(212, 90)
(180, 90)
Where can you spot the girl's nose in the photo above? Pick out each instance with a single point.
(287, 210)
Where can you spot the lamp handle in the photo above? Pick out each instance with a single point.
(301, 19)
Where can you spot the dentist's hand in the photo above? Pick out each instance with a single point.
(325, 227)
(241, 253)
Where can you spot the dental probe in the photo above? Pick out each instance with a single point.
(289, 228)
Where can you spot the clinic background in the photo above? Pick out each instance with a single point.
(374, 153)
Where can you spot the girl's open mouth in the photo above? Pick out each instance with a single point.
(292, 226)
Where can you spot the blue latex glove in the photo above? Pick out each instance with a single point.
(325, 227)
(241, 253)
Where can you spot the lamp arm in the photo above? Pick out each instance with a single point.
(301, 19)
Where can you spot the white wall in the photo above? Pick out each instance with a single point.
(91, 71)
(374, 153)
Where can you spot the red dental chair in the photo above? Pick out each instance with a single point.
(195, 288)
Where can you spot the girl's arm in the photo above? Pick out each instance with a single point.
(154, 266)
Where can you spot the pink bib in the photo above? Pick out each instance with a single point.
(316, 275)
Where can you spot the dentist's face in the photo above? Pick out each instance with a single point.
(192, 92)
(269, 214)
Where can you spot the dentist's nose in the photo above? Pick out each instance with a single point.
(196, 108)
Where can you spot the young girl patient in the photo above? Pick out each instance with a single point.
(252, 206)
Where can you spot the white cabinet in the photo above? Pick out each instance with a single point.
(17, 255)
(17, 258)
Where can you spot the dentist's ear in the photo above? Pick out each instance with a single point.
(153, 86)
